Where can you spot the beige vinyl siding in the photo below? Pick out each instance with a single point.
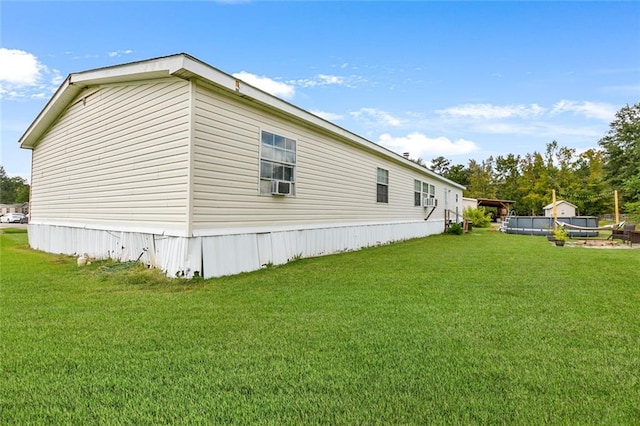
(117, 155)
(335, 179)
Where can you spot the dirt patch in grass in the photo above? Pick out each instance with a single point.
(602, 244)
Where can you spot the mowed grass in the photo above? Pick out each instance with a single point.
(483, 328)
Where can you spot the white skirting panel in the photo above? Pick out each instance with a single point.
(232, 254)
(95, 243)
(214, 256)
(177, 256)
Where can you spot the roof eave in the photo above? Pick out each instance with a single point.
(186, 67)
(75, 83)
(192, 67)
(65, 93)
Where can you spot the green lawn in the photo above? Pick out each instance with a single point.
(483, 328)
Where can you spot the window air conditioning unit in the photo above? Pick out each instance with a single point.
(280, 187)
(429, 202)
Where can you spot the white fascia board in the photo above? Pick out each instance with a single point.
(63, 96)
(186, 67)
(76, 82)
(181, 66)
(144, 70)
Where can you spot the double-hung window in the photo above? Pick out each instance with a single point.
(382, 191)
(277, 164)
(422, 190)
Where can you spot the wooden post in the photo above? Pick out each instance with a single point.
(553, 209)
(615, 197)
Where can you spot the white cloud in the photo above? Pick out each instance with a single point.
(117, 53)
(376, 116)
(330, 116)
(488, 111)
(22, 76)
(18, 67)
(419, 145)
(320, 80)
(86, 56)
(598, 110)
(549, 130)
(273, 87)
(331, 79)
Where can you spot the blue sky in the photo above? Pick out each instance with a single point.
(465, 80)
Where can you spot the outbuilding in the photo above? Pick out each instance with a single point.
(563, 209)
(198, 173)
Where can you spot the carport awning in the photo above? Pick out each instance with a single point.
(488, 202)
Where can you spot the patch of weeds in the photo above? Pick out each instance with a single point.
(296, 257)
(140, 275)
(196, 279)
(59, 259)
(131, 273)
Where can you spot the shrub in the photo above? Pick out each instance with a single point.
(560, 234)
(455, 229)
(633, 210)
(478, 216)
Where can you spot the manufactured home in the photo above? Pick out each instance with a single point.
(193, 171)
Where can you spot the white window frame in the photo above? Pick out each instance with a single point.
(426, 190)
(382, 180)
(280, 154)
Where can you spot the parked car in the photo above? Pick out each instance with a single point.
(14, 218)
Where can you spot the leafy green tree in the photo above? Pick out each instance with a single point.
(440, 165)
(507, 177)
(459, 174)
(13, 190)
(529, 180)
(565, 177)
(22, 194)
(559, 165)
(419, 161)
(622, 152)
(592, 194)
(534, 185)
(481, 179)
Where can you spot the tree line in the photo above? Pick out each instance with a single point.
(586, 179)
(13, 190)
